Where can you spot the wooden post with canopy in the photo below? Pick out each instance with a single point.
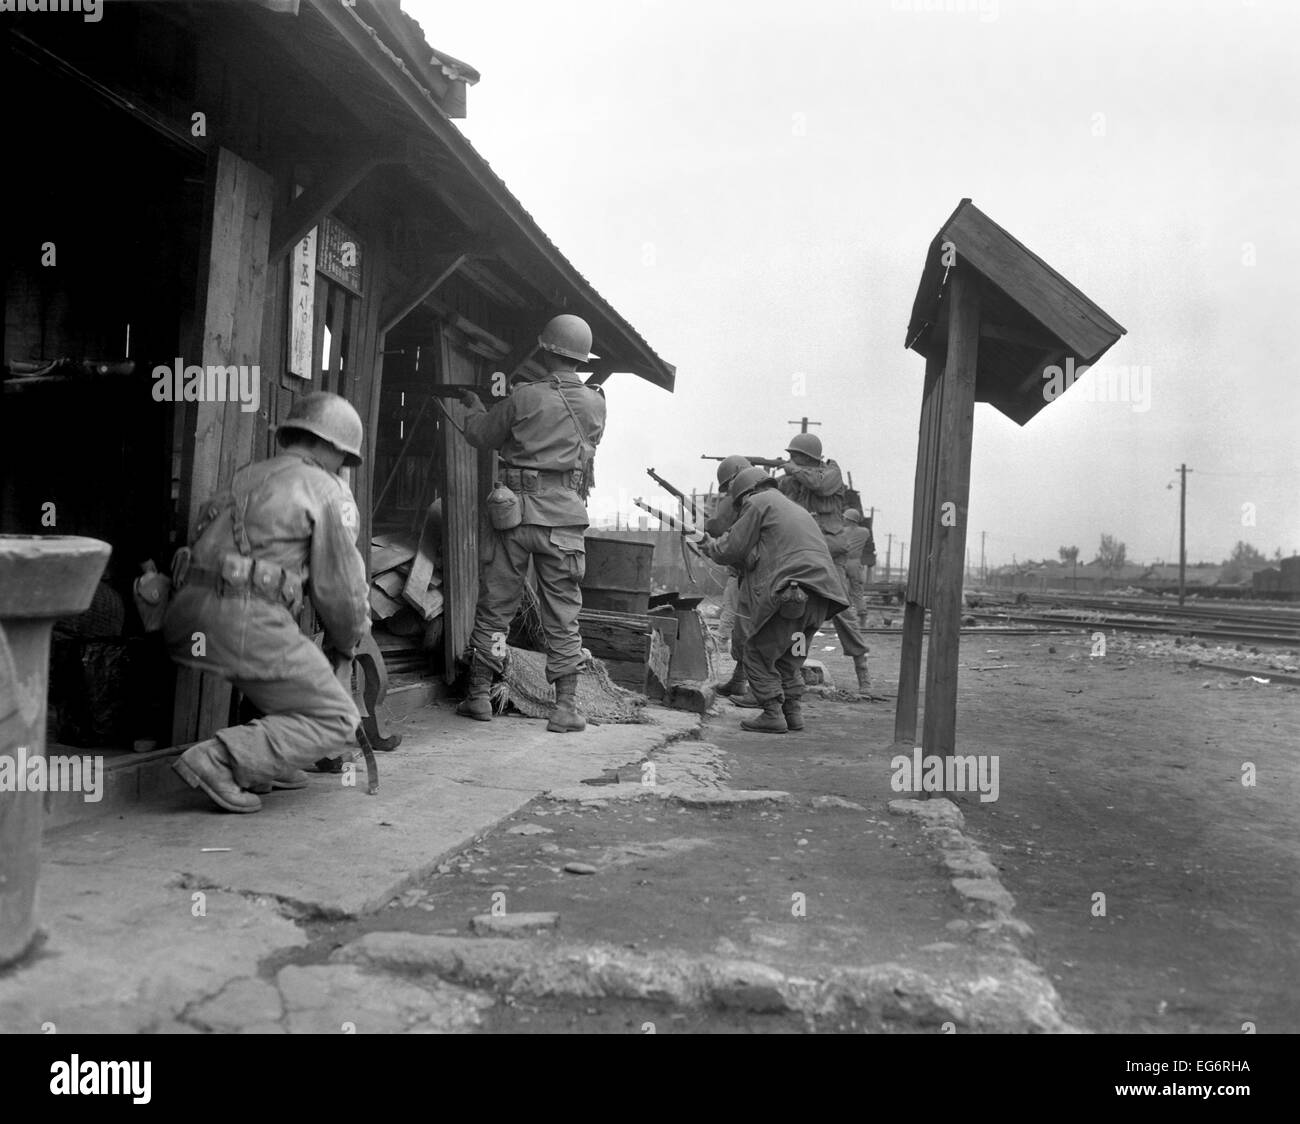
(996, 324)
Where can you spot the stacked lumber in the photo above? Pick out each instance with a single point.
(406, 598)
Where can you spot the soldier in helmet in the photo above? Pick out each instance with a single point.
(546, 431)
(817, 486)
(790, 587)
(737, 687)
(860, 557)
(286, 527)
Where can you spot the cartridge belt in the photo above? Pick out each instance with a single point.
(240, 575)
(527, 480)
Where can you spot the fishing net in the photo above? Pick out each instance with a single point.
(525, 690)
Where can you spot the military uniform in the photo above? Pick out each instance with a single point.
(287, 526)
(775, 542)
(860, 555)
(724, 515)
(819, 489)
(546, 431)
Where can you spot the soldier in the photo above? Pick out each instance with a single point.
(817, 487)
(861, 556)
(790, 587)
(547, 432)
(723, 517)
(287, 525)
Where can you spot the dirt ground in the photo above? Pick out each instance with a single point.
(1119, 775)
(1122, 775)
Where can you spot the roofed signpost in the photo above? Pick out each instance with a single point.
(995, 323)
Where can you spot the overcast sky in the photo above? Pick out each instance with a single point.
(754, 186)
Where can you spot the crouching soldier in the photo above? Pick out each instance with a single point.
(547, 432)
(790, 586)
(287, 525)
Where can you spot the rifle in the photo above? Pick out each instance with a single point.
(757, 462)
(676, 493)
(687, 529)
(453, 390)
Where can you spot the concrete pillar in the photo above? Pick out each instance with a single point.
(41, 579)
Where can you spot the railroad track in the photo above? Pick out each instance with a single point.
(1281, 617)
(1227, 632)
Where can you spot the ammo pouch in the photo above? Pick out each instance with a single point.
(240, 575)
(792, 602)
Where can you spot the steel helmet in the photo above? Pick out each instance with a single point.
(853, 515)
(807, 443)
(729, 467)
(569, 336)
(329, 417)
(749, 479)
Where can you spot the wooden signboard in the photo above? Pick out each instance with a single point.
(302, 305)
(338, 254)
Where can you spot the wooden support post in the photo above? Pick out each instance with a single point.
(231, 297)
(397, 306)
(952, 487)
(918, 590)
(293, 221)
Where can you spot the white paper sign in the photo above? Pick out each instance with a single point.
(302, 305)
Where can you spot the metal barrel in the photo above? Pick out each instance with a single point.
(618, 574)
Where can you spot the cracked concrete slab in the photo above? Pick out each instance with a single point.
(341, 998)
(128, 948)
(128, 955)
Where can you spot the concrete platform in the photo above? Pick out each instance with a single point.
(163, 904)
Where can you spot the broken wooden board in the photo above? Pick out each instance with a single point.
(390, 581)
(416, 593)
(389, 551)
(382, 607)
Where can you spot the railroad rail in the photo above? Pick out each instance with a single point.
(1225, 631)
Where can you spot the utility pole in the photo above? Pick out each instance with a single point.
(803, 424)
(902, 557)
(984, 573)
(1183, 470)
(889, 552)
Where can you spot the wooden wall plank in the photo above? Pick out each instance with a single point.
(338, 324)
(460, 521)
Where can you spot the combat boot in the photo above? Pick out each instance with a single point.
(477, 703)
(738, 684)
(565, 716)
(864, 676)
(793, 711)
(771, 721)
(293, 779)
(204, 766)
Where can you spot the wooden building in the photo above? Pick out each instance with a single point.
(276, 185)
